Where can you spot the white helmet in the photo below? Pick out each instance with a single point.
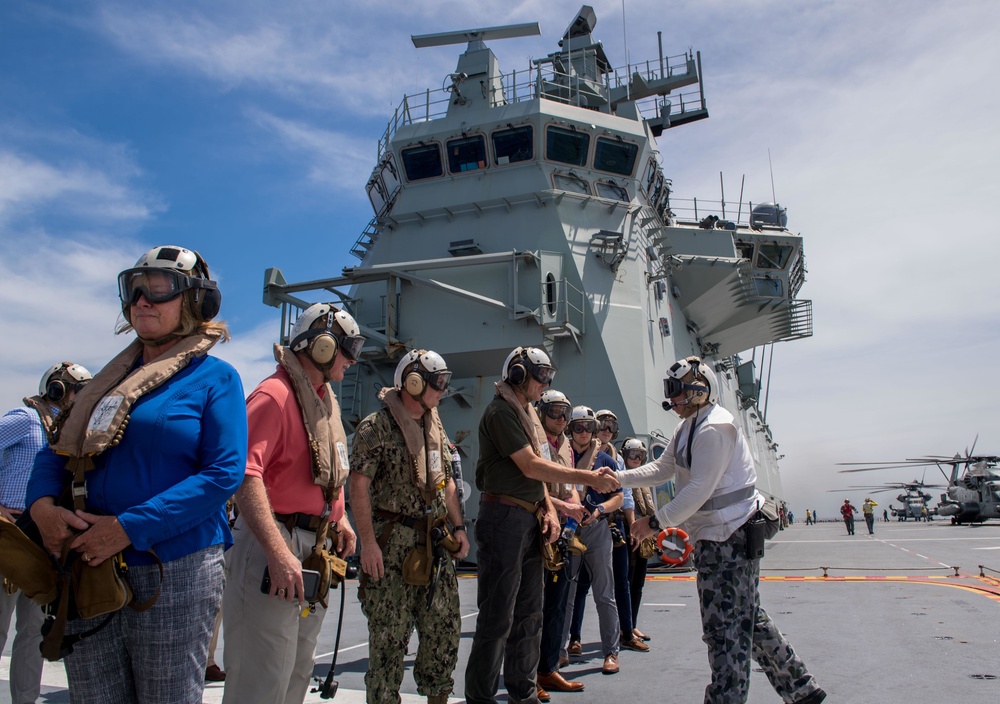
(551, 398)
(606, 420)
(583, 414)
(62, 378)
(178, 270)
(632, 445)
(419, 369)
(523, 362)
(692, 369)
(339, 333)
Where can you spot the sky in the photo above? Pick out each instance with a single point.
(247, 129)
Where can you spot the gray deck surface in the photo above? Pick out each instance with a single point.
(891, 623)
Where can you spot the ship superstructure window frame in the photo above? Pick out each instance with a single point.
(607, 188)
(615, 155)
(773, 255)
(506, 152)
(571, 183)
(416, 169)
(466, 153)
(567, 146)
(649, 179)
(768, 287)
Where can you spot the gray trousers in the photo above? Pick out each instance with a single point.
(736, 627)
(156, 656)
(25, 657)
(269, 647)
(597, 559)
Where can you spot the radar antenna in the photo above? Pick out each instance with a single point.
(508, 31)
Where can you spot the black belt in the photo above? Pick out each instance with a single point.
(302, 521)
(407, 521)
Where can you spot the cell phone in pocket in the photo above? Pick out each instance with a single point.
(310, 583)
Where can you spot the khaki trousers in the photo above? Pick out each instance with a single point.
(269, 647)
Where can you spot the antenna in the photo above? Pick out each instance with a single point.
(774, 198)
(508, 31)
(628, 61)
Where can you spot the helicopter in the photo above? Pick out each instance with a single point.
(973, 489)
(913, 499)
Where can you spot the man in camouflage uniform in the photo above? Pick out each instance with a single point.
(401, 478)
(711, 463)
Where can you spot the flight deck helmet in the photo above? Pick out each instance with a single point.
(323, 330)
(419, 369)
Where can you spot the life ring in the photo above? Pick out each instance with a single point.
(676, 551)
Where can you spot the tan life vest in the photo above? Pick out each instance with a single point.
(321, 417)
(44, 410)
(99, 414)
(423, 445)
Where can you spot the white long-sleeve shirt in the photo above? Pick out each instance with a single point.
(721, 464)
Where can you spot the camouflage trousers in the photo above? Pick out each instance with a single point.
(393, 609)
(735, 627)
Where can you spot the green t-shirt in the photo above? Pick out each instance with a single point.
(500, 436)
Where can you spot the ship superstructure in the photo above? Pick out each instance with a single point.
(530, 208)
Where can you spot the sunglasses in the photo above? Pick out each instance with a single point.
(558, 412)
(157, 285)
(581, 427)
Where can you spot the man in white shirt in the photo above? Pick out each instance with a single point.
(710, 462)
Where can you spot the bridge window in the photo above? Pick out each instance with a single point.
(650, 178)
(513, 145)
(773, 255)
(422, 162)
(768, 287)
(572, 183)
(567, 146)
(610, 189)
(466, 154)
(615, 156)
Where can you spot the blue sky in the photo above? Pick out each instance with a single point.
(247, 130)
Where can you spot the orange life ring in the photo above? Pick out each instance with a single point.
(672, 553)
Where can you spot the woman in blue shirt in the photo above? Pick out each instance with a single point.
(165, 426)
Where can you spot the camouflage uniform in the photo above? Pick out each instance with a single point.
(391, 605)
(727, 592)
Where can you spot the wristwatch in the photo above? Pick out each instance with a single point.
(600, 509)
(653, 523)
(460, 526)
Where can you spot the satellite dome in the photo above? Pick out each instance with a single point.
(769, 214)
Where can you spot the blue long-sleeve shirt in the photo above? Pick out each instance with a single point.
(181, 457)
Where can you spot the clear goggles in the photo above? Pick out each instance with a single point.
(558, 412)
(157, 285)
(609, 424)
(675, 387)
(582, 426)
(543, 375)
(635, 455)
(437, 380)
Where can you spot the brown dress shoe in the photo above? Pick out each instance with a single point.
(575, 648)
(634, 644)
(213, 673)
(557, 683)
(610, 664)
(543, 696)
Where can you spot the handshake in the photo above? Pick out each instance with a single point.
(604, 480)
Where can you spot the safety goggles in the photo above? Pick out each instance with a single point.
(639, 455)
(157, 285)
(543, 375)
(351, 346)
(609, 425)
(558, 412)
(437, 380)
(675, 387)
(581, 426)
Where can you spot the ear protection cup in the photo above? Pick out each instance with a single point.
(211, 303)
(516, 374)
(414, 384)
(56, 390)
(323, 348)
